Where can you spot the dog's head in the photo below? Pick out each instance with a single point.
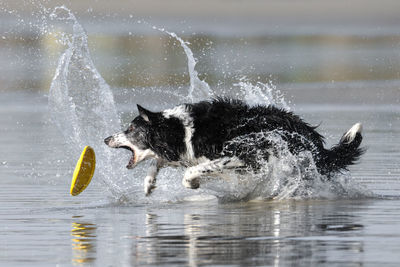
(135, 138)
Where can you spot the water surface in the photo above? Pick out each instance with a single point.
(328, 80)
(42, 225)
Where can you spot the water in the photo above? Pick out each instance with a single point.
(352, 222)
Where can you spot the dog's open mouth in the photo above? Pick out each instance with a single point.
(132, 161)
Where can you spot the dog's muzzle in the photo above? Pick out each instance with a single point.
(107, 140)
(110, 141)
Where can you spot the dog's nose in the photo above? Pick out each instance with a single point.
(107, 140)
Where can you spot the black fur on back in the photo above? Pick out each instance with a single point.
(220, 120)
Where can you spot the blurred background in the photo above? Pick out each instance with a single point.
(300, 46)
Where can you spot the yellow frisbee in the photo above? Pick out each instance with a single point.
(84, 171)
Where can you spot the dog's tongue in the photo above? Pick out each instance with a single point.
(131, 163)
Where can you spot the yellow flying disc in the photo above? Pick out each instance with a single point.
(84, 171)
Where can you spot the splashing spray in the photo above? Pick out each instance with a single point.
(198, 90)
(81, 103)
(82, 106)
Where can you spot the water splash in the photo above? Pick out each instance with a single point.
(283, 176)
(82, 106)
(81, 103)
(261, 93)
(198, 90)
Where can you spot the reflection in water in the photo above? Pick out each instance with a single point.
(270, 233)
(83, 242)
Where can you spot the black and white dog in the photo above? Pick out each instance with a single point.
(205, 138)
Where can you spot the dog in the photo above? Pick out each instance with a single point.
(221, 134)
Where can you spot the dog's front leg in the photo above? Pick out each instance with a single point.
(150, 180)
(190, 178)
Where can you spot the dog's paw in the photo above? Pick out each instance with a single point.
(149, 185)
(148, 189)
(191, 184)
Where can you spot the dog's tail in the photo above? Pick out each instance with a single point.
(346, 153)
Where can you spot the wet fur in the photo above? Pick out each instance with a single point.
(203, 137)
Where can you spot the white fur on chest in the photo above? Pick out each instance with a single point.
(181, 113)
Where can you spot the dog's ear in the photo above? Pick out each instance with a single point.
(144, 113)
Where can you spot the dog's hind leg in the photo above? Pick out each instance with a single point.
(190, 178)
(150, 180)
